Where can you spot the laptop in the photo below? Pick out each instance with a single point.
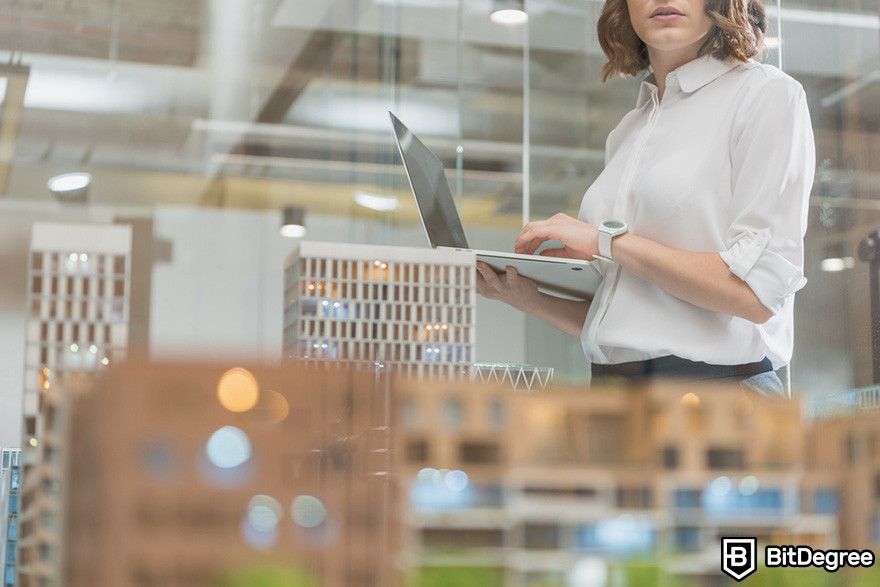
(569, 278)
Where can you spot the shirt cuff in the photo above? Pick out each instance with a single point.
(770, 275)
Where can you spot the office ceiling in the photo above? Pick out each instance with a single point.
(266, 103)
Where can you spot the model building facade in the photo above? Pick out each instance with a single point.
(78, 295)
(530, 484)
(211, 476)
(412, 309)
(843, 464)
(10, 487)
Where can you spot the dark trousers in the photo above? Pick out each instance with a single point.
(673, 366)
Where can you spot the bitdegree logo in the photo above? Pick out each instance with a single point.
(739, 560)
(739, 557)
(804, 556)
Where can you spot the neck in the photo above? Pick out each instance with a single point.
(664, 61)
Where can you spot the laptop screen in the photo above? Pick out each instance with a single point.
(430, 188)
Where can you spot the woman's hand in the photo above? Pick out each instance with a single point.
(522, 293)
(509, 287)
(579, 239)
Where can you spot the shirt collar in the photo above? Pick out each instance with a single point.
(689, 77)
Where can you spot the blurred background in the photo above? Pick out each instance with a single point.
(201, 122)
(204, 132)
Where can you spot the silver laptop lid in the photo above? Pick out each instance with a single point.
(430, 188)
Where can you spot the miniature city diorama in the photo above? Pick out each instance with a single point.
(330, 473)
(380, 452)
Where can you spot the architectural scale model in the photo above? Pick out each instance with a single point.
(231, 477)
(10, 486)
(324, 472)
(409, 309)
(78, 297)
(530, 484)
(843, 462)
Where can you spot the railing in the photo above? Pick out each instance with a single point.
(518, 377)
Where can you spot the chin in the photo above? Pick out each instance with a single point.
(670, 40)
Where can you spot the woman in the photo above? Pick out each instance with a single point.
(698, 218)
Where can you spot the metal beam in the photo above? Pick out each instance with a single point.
(16, 77)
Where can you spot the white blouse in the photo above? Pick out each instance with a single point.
(724, 163)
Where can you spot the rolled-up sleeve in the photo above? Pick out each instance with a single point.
(773, 162)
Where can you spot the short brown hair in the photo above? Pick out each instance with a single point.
(738, 30)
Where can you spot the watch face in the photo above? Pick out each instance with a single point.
(613, 224)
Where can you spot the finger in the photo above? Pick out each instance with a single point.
(529, 228)
(534, 245)
(483, 269)
(519, 238)
(510, 272)
(557, 252)
(524, 238)
(529, 241)
(490, 276)
(482, 287)
(531, 225)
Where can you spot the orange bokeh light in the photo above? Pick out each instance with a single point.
(238, 390)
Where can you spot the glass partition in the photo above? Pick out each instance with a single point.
(203, 122)
(161, 163)
(834, 51)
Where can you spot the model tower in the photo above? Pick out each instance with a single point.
(411, 309)
(78, 295)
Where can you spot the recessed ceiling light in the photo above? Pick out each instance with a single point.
(378, 203)
(70, 186)
(837, 258)
(833, 264)
(509, 12)
(293, 223)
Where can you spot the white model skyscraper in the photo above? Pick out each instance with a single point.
(78, 292)
(410, 308)
(79, 284)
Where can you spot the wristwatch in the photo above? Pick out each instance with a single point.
(608, 229)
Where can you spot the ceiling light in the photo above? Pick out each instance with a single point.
(293, 223)
(378, 203)
(772, 43)
(832, 264)
(837, 258)
(70, 187)
(509, 12)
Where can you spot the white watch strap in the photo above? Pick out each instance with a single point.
(605, 245)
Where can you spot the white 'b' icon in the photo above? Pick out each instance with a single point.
(739, 557)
